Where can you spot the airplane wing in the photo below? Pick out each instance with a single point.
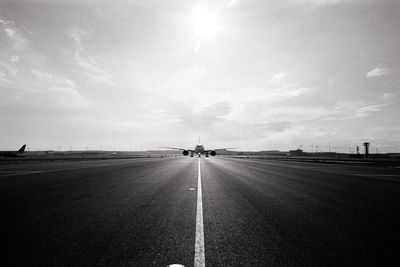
(209, 150)
(178, 148)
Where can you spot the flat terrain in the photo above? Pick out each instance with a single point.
(142, 212)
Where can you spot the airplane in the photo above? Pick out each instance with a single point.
(13, 153)
(199, 150)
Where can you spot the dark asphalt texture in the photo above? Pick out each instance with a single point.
(142, 212)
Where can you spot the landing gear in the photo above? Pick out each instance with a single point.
(191, 154)
(206, 155)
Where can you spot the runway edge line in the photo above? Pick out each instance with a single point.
(199, 255)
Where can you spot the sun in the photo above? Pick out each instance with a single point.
(205, 23)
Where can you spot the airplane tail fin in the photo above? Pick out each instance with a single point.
(22, 149)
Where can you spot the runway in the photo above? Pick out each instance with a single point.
(145, 212)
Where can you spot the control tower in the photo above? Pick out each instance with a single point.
(366, 146)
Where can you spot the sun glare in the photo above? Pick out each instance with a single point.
(205, 23)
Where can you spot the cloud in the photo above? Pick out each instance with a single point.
(10, 32)
(350, 110)
(368, 110)
(15, 58)
(321, 2)
(279, 126)
(217, 120)
(41, 75)
(231, 3)
(378, 72)
(89, 63)
(3, 77)
(6, 22)
(61, 94)
(19, 42)
(208, 116)
(57, 91)
(219, 108)
(76, 35)
(387, 96)
(345, 110)
(11, 70)
(67, 96)
(289, 90)
(279, 76)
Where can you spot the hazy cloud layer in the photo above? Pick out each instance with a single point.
(138, 74)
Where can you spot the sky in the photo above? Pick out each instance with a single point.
(253, 74)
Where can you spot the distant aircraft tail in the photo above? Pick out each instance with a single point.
(22, 149)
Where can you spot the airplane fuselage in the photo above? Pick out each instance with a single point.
(12, 153)
(199, 149)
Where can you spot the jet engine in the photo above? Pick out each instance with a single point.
(213, 153)
(185, 152)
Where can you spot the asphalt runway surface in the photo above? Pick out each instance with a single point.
(145, 212)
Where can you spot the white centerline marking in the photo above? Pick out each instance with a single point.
(199, 254)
